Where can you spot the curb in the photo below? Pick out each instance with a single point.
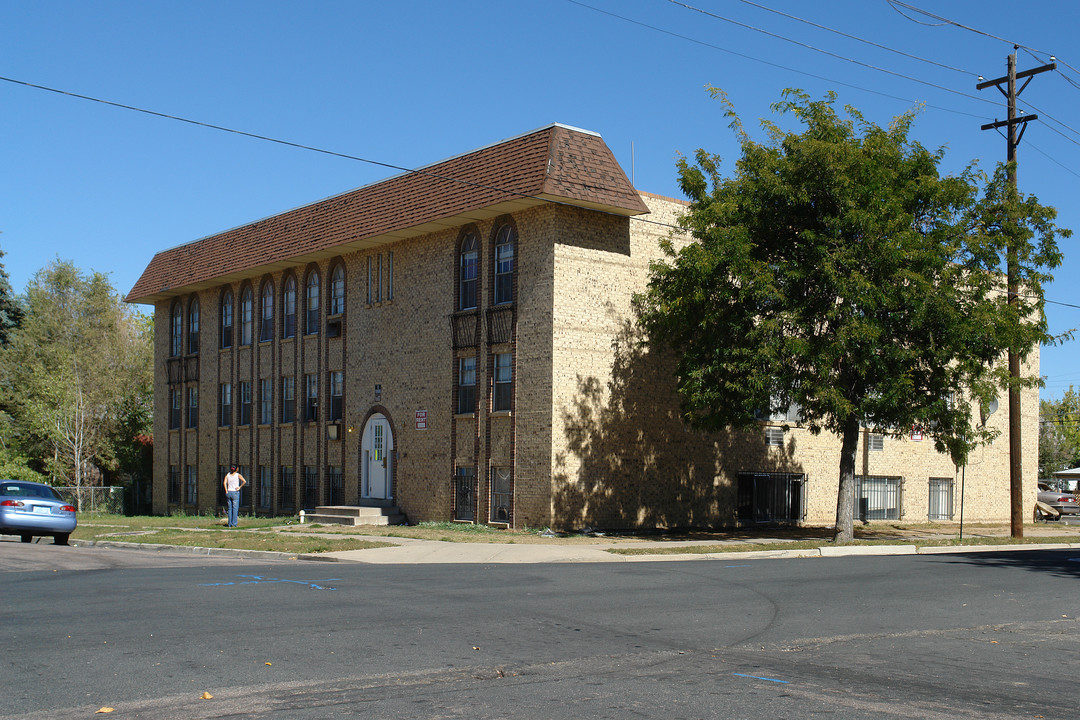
(843, 551)
(203, 551)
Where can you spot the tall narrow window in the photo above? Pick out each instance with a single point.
(390, 276)
(246, 311)
(335, 485)
(311, 406)
(503, 382)
(174, 484)
(467, 276)
(192, 486)
(245, 403)
(378, 286)
(266, 313)
(504, 265)
(287, 488)
(337, 388)
(466, 385)
(225, 405)
(288, 308)
(226, 320)
(337, 291)
(501, 484)
(288, 399)
(174, 409)
(193, 407)
(311, 487)
(265, 481)
(176, 325)
(193, 327)
(370, 281)
(311, 303)
(266, 402)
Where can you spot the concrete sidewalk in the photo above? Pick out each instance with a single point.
(409, 551)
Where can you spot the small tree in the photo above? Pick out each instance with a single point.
(75, 372)
(839, 271)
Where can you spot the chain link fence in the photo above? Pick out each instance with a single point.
(95, 499)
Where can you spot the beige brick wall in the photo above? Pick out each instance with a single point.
(594, 436)
(622, 458)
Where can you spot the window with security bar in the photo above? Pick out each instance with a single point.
(336, 485)
(878, 497)
(941, 499)
(465, 494)
(287, 488)
(501, 489)
(311, 487)
(265, 485)
(771, 497)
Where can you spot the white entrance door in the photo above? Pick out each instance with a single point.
(376, 453)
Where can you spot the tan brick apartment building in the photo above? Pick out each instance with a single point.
(458, 341)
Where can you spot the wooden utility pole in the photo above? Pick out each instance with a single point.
(1010, 91)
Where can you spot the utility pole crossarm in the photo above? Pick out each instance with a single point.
(1020, 75)
(1003, 123)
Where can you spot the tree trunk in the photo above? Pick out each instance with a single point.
(845, 500)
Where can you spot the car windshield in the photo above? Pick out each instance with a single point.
(28, 490)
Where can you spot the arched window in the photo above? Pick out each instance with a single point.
(337, 291)
(176, 330)
(193, 327)
(288, 307)
(311, 303)
(266, 312)
(504, 265)
(246, 312)
(467, 281)
(226, 319)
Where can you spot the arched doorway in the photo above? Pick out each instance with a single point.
(376, 459)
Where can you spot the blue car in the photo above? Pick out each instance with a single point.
(29, 508)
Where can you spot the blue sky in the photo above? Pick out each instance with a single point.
(412, 82)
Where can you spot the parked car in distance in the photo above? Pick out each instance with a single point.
(29, 509)
(1063, 502)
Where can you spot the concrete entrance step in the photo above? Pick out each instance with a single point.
(353, 515)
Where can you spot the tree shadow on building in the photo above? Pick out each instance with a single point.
(630, 462)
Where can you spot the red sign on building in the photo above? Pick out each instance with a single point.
(421, 419)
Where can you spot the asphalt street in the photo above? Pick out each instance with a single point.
(981, 635)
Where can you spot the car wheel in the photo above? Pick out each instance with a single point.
(26, 538)
(60, 539)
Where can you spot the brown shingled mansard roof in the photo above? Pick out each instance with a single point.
(556, 163)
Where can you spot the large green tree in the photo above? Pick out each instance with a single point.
(837, 269)
(10, 311)
(1059, 433)
(77, 373)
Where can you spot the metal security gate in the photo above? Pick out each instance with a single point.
(465, 494)
(941, 499)
(771, 497)
(877, 497)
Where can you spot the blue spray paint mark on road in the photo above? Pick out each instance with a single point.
(260, 580)
(758, 677)
(733, 566)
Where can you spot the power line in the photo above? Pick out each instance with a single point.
(947, 21)
(829, 53)
(859, 39)
(775, 65)
(301, 146)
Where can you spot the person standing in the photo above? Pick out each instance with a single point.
(233, 482)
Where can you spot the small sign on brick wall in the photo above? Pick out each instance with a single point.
(421, 419)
